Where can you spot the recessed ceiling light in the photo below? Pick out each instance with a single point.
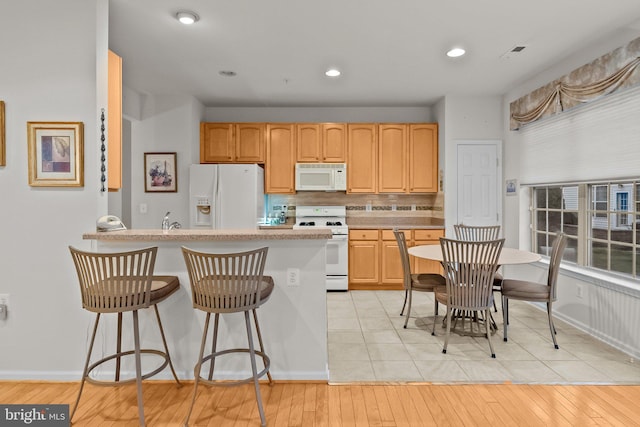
(332, 72)
(227, 73)
(187, 17)
(455, 52)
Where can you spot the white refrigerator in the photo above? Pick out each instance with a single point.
(226, 196)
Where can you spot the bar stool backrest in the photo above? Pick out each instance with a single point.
(476, 233)
(115, 282)
(225, 283)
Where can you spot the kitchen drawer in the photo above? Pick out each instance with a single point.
(427, 234)
(388, 235)
(363, 234)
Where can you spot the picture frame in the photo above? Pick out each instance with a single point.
(56, 154)
(511, 188)
(160, 173)
(3, 150)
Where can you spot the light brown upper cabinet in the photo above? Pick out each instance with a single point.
(232, 142)
(362, 158)
(392, 158)
(114, 122)
(423, 158)
(281, 159)
(321, 142)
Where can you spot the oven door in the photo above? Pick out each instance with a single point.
(338, 262)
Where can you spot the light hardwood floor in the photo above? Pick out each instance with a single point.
(313, 404)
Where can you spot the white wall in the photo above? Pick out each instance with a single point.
(165, 124)
(321, 114)
(606, 310)
(45, 78)
(465, 118)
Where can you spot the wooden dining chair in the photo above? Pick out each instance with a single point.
(426, 282)
(476, 233)
(525, 290)
(469, 268)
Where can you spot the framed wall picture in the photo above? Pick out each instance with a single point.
(3, 152)
(160, 173)
(56, 154)
(512, 187)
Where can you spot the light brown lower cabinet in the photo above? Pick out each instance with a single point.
(374, 258)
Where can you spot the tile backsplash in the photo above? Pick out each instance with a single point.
(364, 205)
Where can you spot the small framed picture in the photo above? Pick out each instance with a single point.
(56, 154)
(512, 187)
(160, 173)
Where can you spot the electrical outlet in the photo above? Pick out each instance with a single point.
(4, 299)
(579, 291)
(143, 208)
(368, 207)
(293, 276)
(413, 207)
(394, 207)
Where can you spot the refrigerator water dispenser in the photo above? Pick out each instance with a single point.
(203, 211)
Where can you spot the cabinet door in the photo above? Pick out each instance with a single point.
(426, 237)
(392, 155)
(281, 159)
(363, 260)
(334, 142)
(423, 158)
(391, 264)
(362, 158)
(216, 143)
(249, 141)
(114, 123)
(308, 142)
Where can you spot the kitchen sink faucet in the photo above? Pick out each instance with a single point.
(169, 226)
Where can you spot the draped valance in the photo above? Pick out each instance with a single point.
(615, 70)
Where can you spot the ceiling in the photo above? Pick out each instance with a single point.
(391, 53)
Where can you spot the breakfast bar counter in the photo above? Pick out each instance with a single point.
(293, 321)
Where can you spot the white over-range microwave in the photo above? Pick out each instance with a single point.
(321, 177)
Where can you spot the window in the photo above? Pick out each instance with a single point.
(555, 210)
(602, 221)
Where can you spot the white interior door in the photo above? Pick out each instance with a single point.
(478, 178)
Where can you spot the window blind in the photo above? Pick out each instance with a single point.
(595, 141)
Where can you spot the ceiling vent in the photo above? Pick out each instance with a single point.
(515, 50)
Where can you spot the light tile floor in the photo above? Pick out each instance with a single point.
(367, 342)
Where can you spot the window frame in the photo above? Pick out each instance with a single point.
(596, 228)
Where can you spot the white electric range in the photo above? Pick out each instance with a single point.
(333, 218)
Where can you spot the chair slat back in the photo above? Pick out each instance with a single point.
(404, 257)
(555, 259)
(469, 269)
(225, 282)
(115, 282)
(476, 233)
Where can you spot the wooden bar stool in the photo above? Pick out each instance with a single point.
(229, 283)
(117, 283)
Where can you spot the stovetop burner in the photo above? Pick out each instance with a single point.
(333, 217)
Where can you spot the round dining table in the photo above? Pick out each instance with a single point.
(508, 256)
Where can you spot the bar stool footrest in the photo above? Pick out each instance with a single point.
(129, 380)
(224, 383)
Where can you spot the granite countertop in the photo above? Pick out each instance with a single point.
(207, 235)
